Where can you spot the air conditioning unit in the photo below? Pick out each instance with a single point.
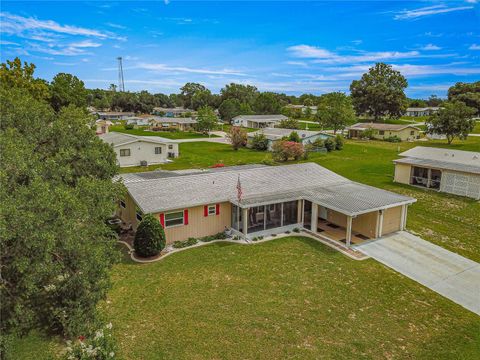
(143, 163)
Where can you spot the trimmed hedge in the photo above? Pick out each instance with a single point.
(150, 237)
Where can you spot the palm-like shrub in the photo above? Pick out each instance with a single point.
(150, 237)
(260, 142)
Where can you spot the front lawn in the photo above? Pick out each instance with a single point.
(173, 135)
(287, 298)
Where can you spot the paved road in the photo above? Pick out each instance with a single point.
(449, 274)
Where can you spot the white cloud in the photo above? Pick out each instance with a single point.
(3, 42)
(15, 24)
(429, 47)
(429, 10)
(474, 47)
(297, 63)
(116, 26)
(85, 44)
(167, 68)
(320, 55)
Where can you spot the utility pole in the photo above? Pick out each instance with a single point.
(121, 83)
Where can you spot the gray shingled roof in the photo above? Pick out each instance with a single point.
(260, 185)
(177, 120)
(448, 159)
(261, 118)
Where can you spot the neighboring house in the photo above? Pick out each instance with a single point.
(421, 111)
(303, 108)
(383, 131)
(274, 199)
(451, 171)
(138, 121)
(114, 115)
(135, 150)
(102, 126)
(182, 124)
(171, 112)
(275, 134)
(258, 121)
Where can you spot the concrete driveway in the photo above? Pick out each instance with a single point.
(449, 274)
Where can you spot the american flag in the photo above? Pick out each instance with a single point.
(239, 190)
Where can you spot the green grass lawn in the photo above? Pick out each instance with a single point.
(287, 298)
(476, 129)
(166, 134)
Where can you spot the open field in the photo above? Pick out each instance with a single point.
(166, 134)
(302, 300)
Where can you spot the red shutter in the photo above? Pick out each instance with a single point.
(205, 210)
(185, 217)
(217, 209)
(162, 219)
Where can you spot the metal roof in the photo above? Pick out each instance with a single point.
(261, 118)
(437, 164)
(177, 120)
(260, 184)
(379, 126)
(278, 133)
(117, 139)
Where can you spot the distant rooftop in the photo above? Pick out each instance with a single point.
(116, 138)
(278, 133)
(380, 126)
(261, 118)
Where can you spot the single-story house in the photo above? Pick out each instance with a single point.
(138, 121)
(421, 111)
(258, 200)
(258, 121)
(275, 134)
(451, 171)
(171, 112)
(102, 126)
(133, 150)
(383, 131)
(114, 115)
(303, 108)
(182, 124)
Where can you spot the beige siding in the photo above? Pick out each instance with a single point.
(402, 173)
(200, 225)
(144, 151)
(404, 135)
(127, 214)
(364, 224)
(392, 219)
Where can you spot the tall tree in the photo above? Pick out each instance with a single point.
(67, 89)
(228, 109)
(267, 103)
(453, 120)
(335, 110)
(469, 93)
(189, 90)
(380, 92)
(56, 250)
(206, 119)
(434, 100)
(243, 93)
(202, 98)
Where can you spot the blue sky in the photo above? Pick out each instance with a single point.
(287, 46)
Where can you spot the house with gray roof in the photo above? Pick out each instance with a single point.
(257, 200)
(451, 171)
(276, 134)
(158, 123)
(258, 121)
(404, 132)
(134, 150)
(421, 111)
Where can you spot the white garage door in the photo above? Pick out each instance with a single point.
(461, 184)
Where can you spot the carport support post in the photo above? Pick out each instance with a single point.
(314, 221)
(402, 217)
(349, 230)
(245, 221)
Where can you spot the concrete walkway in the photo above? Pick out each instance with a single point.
(449, 274)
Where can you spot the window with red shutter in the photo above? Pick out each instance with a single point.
(217, 209)
(162, 219)
(205, 210)
(185, 217)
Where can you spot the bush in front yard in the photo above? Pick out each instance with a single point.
(329, 144)
(150, 237)
(260, 142)
(338, 142)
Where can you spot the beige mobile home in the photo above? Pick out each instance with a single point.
(274, 199)
(135, 150)
(258, 121)
(384, 131)
(451, 171)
